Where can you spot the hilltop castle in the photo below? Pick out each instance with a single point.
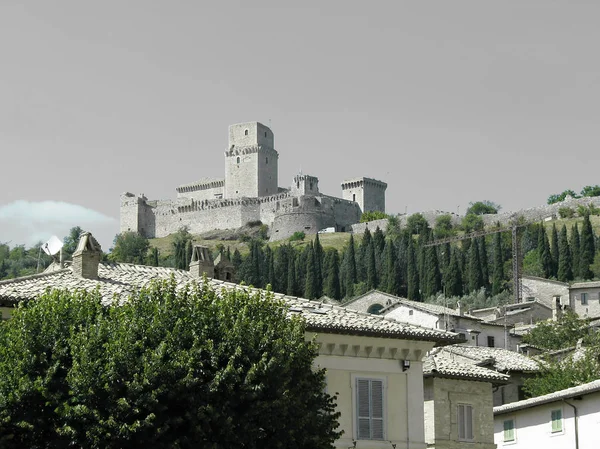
(250, 193)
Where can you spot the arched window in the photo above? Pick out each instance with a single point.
(375, 309)
(265, 134)
(246, 133)
(353, 195)
(238, 159)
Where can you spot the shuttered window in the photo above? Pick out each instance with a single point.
(509, 430)
(370, 409)
(556, 417)
(465, 422)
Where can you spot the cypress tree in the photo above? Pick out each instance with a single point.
(310, 288)
(483, 260)
(575, 262)
(301, 262)
(498, 275)
(332, 280)
(378, 241)
(475, 277)
(412, 278)
(587, 249)
(188, 255)
(280, 267)
(432, 272)
(236, 259)
(544, 252)
(291, 289)
(319, 259)
(350, 268)
(453, 277)
(565, 271)
(371, 267)
(554, 250)
(269, 268)
(394, 278)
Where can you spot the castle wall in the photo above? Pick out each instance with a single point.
(200, 191)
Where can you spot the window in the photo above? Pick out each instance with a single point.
(584, 299)
(267, 160)
(238, 160)
(265, 134)
(556, 416)
(369, 409)
(509, 430)
(246, 133)
(490, 340)
(354, 197)
(465, 422)
(410, 312)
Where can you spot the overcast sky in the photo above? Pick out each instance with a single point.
(447, 101)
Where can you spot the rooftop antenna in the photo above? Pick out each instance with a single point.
(51, 247)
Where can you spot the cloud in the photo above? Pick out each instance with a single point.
(29, 222)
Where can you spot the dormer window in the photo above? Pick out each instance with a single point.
(245, 132)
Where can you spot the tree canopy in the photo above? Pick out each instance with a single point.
(167, 368)
(483, 207)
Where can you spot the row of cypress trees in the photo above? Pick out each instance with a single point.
(402, 263)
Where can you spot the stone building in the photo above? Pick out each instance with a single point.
(250, 192)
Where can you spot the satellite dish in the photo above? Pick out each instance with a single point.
(52, 246)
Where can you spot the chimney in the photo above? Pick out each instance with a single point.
(459, 309)
(86, 257)
(556, 308)
(201, 262)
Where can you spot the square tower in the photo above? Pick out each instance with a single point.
(368, 193)
(251, 162)
(305, 185)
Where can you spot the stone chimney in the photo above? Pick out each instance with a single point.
(86, 257)
(459, 309)
(201, 262)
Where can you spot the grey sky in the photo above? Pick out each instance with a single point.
(446, 101)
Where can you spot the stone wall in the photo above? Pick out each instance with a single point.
(359, 228)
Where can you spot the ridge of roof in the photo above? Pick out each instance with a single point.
(587, 388)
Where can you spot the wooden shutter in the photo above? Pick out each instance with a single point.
(465, 422)
(370, 409)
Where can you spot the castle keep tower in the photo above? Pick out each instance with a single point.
(305, 185)
(250, 162)
(368, 193)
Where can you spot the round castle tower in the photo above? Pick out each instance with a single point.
(250, 162)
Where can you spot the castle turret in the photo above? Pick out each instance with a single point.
(368, 193)
(305, 185)
(251, 161)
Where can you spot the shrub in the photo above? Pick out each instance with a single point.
(297, 236)
(373, 215)
(566, 212)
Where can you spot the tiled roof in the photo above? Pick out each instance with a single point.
(502, 359)
(591, 387)
(124, 279)
(442, 363)
(591, 284)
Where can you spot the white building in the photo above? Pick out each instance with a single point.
(562, 420)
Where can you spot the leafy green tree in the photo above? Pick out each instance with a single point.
(586, 249)
(591, 191)
(443, 226)
(130, 247)
(559, 334)
(165, 369)
(70, 242)
(483, 207)
(152, 257)
(565, 271)
(471, 223)
(373, 215)
(556, 198)
(417, 224)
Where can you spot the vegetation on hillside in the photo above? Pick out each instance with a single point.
(587, 191)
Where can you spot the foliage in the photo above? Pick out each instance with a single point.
(443, 226)
(166, 369)
(373, 215)
(70, 242)
(559, 334)
(130, 247)
(471, 223)
(297, 236)
(182, 241)
(483, 207)
(591, 191)
(566, 212)
(557, 198)
(416, 224)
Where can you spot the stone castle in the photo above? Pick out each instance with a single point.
(250, 193)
